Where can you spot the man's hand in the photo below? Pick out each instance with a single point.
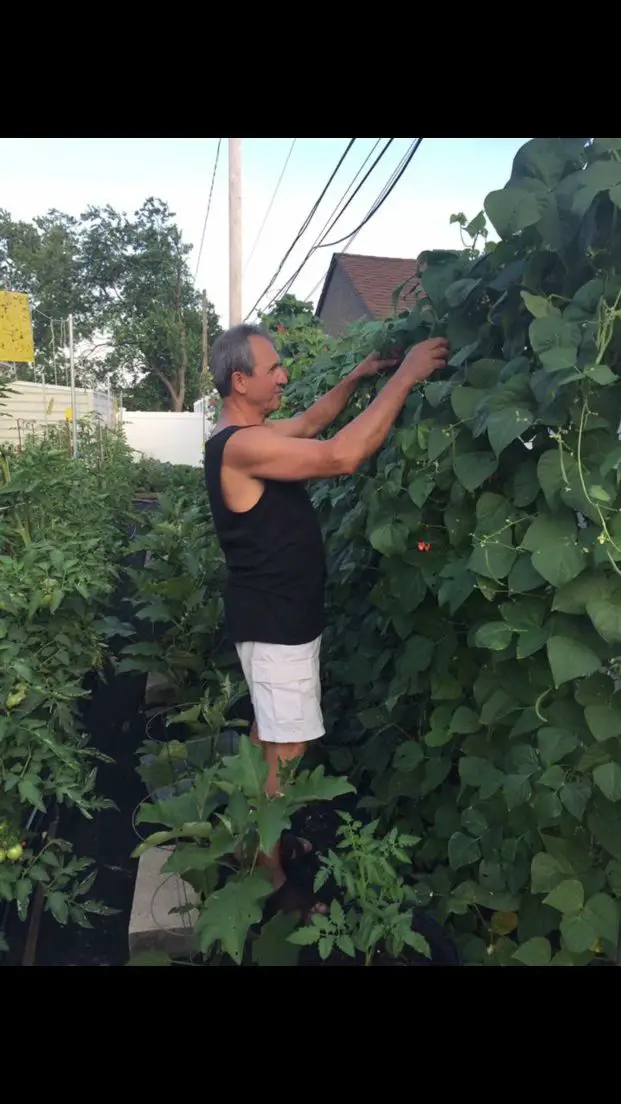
(371, 366)
(424, 358)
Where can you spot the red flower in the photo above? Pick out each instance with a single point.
(423, 546)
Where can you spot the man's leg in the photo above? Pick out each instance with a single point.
(275, 755)
(285, 690)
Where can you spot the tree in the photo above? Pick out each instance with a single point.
(297, 333)
(127, 282)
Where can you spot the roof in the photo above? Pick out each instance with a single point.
(375, 279)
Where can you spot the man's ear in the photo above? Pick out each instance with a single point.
(239, 381)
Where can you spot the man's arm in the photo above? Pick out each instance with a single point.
(262, 454)
(327, 409)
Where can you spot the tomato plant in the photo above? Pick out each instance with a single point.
(63, 532)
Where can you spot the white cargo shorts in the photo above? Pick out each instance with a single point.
(285, 690)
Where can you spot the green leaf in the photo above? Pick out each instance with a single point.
(273, 946)
(607, 778)
(462, 850)
(440, 439)
(516, 789)
(227, 915)
(545, 872)
(493, 558)
(569, 659)
(315, 785)
(606, 827)
(485, 373)
(480, 773)
(601, 176)
(604, 721)
(605, 613)
(29, 792)
(603, 914)
(531, 641)
(535, 952)
(523, 577)
(438, 737)
(575, 797)
(561, 564)
(513, 209)
(553, 777)
(495, 635)
(600, 374)
(555, 744)
(555, 535)
(390, 538)
(473, 468)
(465, 401)
(326, 945)
(504, 426)
(474, 822)
(306, 936)
(272, 820)
(578, 934)
(525, 483)
(459, 291)
(246, 770)
(408, 756)
(420, 488)
(566, 897)
(538, 305)
(613, 872)
(192, 857)
(464, 721)
(345, 944)
(417, 942)
(555, 342)
(58, 904)
(573, 597)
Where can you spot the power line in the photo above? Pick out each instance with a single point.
(271, 204)
(303, 228)
(332, 221)
(213, 179)
(329, 221)
(388, 189)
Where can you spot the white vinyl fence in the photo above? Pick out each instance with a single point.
(173, 438)
(30, 407)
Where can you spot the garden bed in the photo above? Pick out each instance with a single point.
(115, 723)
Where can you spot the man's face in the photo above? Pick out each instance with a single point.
(263, 388)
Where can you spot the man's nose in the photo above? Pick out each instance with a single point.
(283, 377)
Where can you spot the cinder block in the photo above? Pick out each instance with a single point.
(159, 691)
(152, 926)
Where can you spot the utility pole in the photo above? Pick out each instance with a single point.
(74, 412)
(205, 343)
(235, 233)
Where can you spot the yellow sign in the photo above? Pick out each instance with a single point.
(16, 341)
(68, 414)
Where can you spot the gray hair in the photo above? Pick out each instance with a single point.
(232, 352)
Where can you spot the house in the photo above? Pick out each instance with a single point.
(360, 287)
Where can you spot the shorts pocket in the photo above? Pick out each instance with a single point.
(282, 691)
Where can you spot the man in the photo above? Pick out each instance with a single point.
(255, 472)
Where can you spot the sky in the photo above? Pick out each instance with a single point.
(446, 175)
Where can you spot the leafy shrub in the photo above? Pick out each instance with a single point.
(475, 596)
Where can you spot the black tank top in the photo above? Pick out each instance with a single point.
(274, 556)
